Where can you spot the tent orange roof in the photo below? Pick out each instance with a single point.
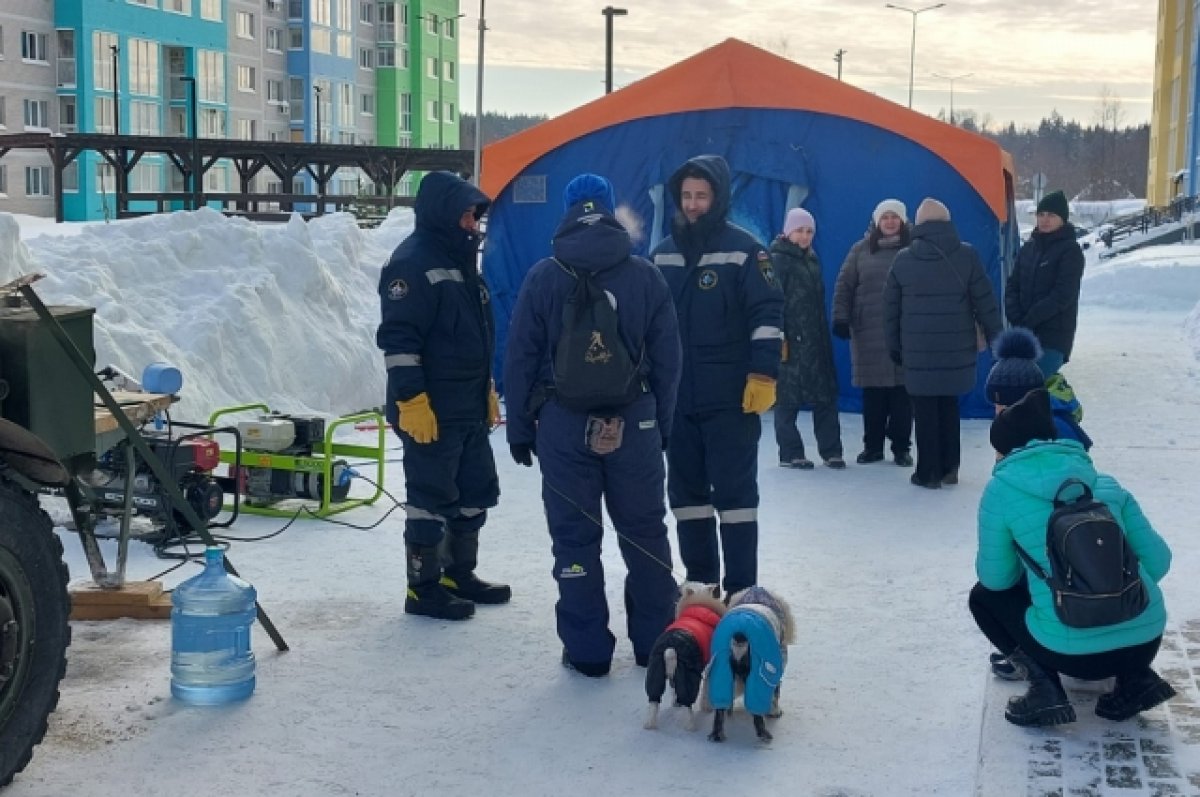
(734, 74)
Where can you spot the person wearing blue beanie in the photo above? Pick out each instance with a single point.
(1016, 374)
(592, 187)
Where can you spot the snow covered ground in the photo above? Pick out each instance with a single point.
(887, 691)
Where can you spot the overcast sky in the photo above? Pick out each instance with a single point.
(1026, 57)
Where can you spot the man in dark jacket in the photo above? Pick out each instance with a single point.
(1042, 293)
(936, 297)
(437, 339)
(731, 326)
(577, 472)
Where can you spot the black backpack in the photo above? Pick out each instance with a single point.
(1094, 575)
(592, 367)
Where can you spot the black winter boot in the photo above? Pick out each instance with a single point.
(460, 552)
(1134, 694)
(425, 595)
(1044, 704)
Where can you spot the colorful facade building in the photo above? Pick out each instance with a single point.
(1172, 170)
(331, 71)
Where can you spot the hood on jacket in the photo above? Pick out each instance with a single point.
(441, 200)
(1041, 467)
(590, 238)
(715, 169)
(931, 236)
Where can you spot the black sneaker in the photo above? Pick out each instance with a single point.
(867, 457)
(929, 485)
(590, 669)
(904, 459)
(837, 463)
(798, 463)
(1006, 669)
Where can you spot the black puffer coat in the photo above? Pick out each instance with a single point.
(1042, 293)
(807, 375)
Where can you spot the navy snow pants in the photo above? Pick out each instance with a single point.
(449, 482)
(713, 470)
(630, 479)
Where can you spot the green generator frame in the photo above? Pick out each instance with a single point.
(320, 462)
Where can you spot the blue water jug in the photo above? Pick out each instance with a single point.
(211, 660)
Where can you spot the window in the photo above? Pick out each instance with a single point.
(3, 179)
(274, 91)
(319, 40)
(144, 118)
(211, 10)
(33, 47)
(247, 129)
(212, 123)
(143, 66)
(387, 56)
(3, 119)
(345, 45)
(37, 181)
(320, 12)
(404, 58)
(275, 40)
(366, 103)
(449, 117)
(2, 50)
(245, 78)
(431, 110)
(36, 114)
(431, 24)
(102, 110)
(70, 177)
(102, 44)
(346, 98)
(245, 25)
(406, 112)
(295, 38)
(346, 137)
(448, 27)
(366, 12)
(178, 6)
(449, 67)
(345, 20)
(67, 118)
(147, 3)
(145, 178)
(431, 67)
(212, 76)
(366, 58)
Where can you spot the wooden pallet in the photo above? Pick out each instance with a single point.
(140, 600)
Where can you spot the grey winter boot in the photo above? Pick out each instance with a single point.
(425, 595)
(1045, 703)
(460, 554)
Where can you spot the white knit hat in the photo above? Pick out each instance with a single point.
(796, 219)
(889, 206)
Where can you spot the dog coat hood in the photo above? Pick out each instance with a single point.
(761, 626)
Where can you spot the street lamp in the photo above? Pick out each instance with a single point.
(116, 60)
(479, 102)
(952, 78)
(195, 131)
(838, 57)
(609, 12)
(317, 131)
(912, 58)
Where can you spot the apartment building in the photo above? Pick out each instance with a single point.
(330, 71)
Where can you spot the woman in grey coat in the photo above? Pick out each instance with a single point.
(936, 294)
(858, 315)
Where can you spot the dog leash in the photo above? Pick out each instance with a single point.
(665, 565)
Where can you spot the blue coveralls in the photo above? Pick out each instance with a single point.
(437, 338)
(574, 478)
(730, 324)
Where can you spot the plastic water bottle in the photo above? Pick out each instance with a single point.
(211, 660)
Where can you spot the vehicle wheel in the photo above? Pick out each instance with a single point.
(34, 629)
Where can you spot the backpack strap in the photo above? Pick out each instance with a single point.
(1032, 565)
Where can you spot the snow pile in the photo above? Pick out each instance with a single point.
(282, 314)
(1155, 278)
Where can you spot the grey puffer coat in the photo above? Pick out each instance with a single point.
(807, 376)
(936, 292)
(858, 301)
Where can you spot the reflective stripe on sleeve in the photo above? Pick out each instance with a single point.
(393, 360)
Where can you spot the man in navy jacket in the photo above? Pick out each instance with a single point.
(437, 338)
(576, 477)
(730, 322)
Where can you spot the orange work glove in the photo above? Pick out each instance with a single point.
(783, 352)
(493, 407)
(759, 395)
(417, 418)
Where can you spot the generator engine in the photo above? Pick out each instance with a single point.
(190, 462)
(293, 436)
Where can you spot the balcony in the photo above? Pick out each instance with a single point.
(66, 73)
(386, 32)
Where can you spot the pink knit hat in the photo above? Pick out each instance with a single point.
(797, 218)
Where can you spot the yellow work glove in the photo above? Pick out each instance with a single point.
(493, 407)
(417, 418)
(783, 353)
(759, 395)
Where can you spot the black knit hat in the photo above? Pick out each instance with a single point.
(1055, 202)
(1016, 370)
(1028, 419)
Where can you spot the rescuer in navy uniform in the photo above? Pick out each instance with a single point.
(436, 332)
(730, 323)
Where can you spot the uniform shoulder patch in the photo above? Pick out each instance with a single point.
(397, 289)
(767, 268)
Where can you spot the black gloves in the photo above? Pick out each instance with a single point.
(841, 329)
(522, 454)
(896, 358)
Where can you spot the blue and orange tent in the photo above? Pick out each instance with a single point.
(792, 136)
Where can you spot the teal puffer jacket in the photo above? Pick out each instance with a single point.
(1016, 505)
